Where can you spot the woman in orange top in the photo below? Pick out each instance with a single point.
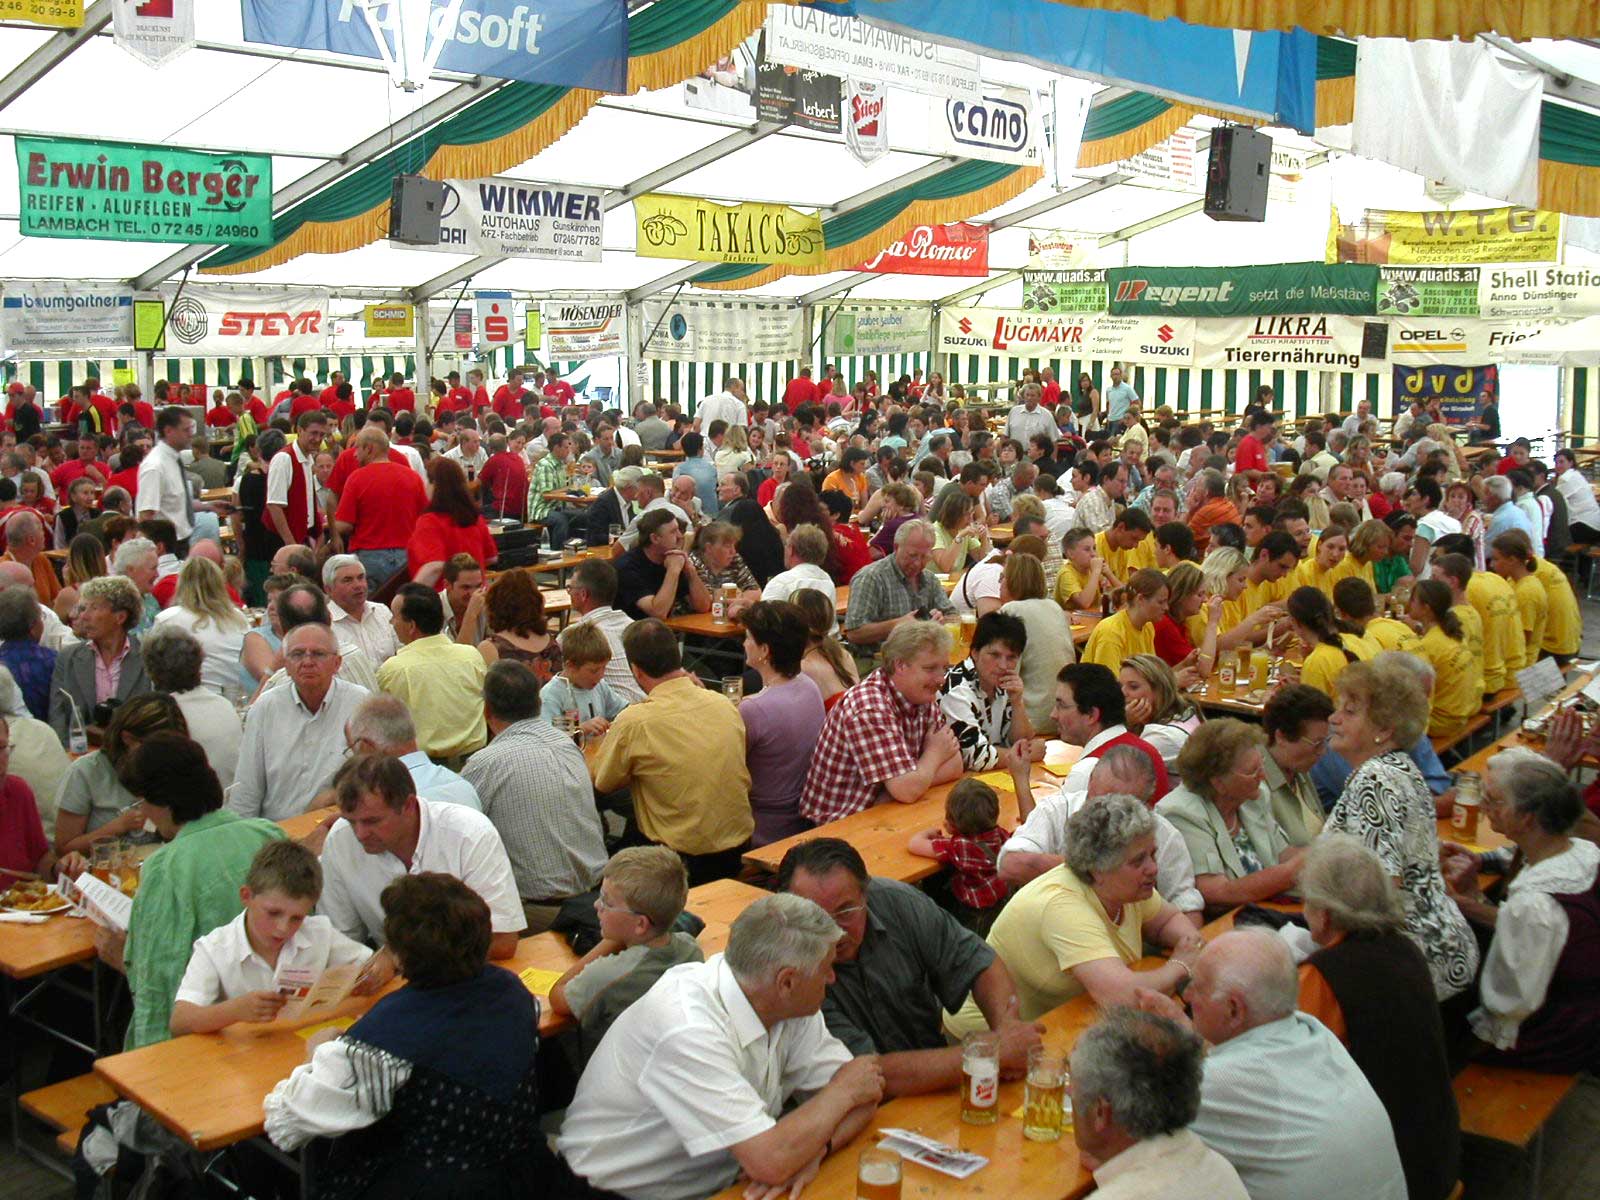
(851, 477)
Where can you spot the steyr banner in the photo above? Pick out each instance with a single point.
(1243, 291)
(704, 231)
(960, 249)
(243, 324)
(123, 192)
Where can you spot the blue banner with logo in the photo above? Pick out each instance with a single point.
(1459, 390)
(1273, 75)
(573, 43)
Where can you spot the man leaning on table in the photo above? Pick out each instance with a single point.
(896, 589)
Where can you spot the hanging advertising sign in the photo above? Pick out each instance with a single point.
(1466, 340)
(706, 331)
(573, 43)
(686, 227)
(1308, 342)
(532, 330)
(512, 218)
(581, 328)
(1485, 235)
(389, 320)
(57, 14)
(1545, 290)
(1163, 341)
(1002, 125)
(1059, 249)
(956, 250)
(1068, 113)
(866, 125)
(1073, 291)
(494, 311)
(798, 96)
(848, 47)
(1428, 291)
(39, 316)
(877, 331)
(1457, 387)
(461, 328)
(123, 192)
(155, 33)
(1243, 291)
(243, 323)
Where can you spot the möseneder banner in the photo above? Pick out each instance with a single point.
(574, 43)
(1243, 291)
(512, 218)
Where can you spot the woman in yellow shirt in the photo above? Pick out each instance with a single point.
(1357, 607)
(1563, 628)
(1322, 569)
(1457, 675)
(1131, 631)
(1511, 558)
(1370, 543)
(1328, 649)
(1227, 574)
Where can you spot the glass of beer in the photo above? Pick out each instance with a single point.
(969, 630)
(878, 1174)
(1260, 666)
(733, 687)
(953, 628)
(980, 1078)
(1044, 1109)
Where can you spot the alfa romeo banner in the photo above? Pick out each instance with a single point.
(960, 249)
(512, 218)
(1164, 341)
(240, 323)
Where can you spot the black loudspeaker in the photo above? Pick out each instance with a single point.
(1237, 173)
(415, 208)
(1375, 339)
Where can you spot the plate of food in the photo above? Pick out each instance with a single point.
(33, 896)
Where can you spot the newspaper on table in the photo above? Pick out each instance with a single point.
(105, 905)
(310, 994)
(947, 1160)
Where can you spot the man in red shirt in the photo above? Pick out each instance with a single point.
(401, 398)
(345, 465)
(1252, 452)
(304, 402)
(87, 463)
(220, 416)
(331, 392)
(456, 397)
(378, 507)
(503, 482)
(830, 381)
(143, 411)
(559, 389)
(801, 390)
(128, 477)
(1052, 389)
(508, 398)
(343, 403)
(480, 393)
(1516, 458)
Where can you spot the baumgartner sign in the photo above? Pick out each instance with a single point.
(1164, 341)
(958, 249)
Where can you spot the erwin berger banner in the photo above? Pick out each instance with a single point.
(1243, 291)
(704, 231)
(122, 192)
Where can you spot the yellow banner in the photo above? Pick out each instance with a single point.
(58, 14)
(705, 231)
(1484, 235)
(390, 320)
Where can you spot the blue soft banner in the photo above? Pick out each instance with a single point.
(1273, 75)
(573, 43)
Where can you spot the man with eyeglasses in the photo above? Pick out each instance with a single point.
(901, 959)
(294, 735)
(1296, 724)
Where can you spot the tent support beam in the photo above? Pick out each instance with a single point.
(54, 52)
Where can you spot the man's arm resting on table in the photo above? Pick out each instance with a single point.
(873, 632)
(776, 1155)
(934, 766)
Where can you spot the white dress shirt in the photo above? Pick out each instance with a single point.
(1022, 425)
(1171, 1166)
(1582, 508)
(611, 622)
(452, 839)
(371, 631)
(724, 406)
(280, 474)
(219, 670)
(225, 966)
(163, 489)
(1059, 514)
(785, 584)
(683, 1075)
(290, 753)
(355, 668)
(214, 723)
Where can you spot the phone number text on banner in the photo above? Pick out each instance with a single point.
(709, 332)
(582, 329)
(511, 218)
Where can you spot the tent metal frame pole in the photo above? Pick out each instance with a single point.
(54, 52)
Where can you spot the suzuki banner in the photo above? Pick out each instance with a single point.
(1163, 342)
(706, 331)
(1074, 291)
(875, 330)
(154, 33)
(37, 316)
(1243, 291)
(845, 46)
(577, 329)
(959, 249)
(705, 231)
(242, 322)
(572, 43)
(512, 218)
(1301, 343)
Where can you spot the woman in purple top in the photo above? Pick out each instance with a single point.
(781, 721)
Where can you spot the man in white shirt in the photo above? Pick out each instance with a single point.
(469, 453)
(804, 552)
(163, 488)
(687, 1090)
(383, 725)
(592, 587)
(304, 602)
(1026, 419)
(1352, 424)
(388, 831)
(652, 494)
(1135, 1086)
(1318, 1130)
(727, 405)
(300, 458)
(362, 622)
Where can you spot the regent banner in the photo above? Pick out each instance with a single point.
(1161, 341)
(512, 218)
(706, 331)
(1243, 291)
(389, 320)
(1457, 387)
(1428, 291)
(960, 249)
(123, 192)
(1067, 291)
(241, 323)
(582, 328)
(1304, 343)
(686, 227)
(1485, 235)
(878, 331)
(37, 316)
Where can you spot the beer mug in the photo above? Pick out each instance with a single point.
(733, 687)
(980, 1078)
(1260, 666)
(1045, 1106)
(878, 1174)
(1468, 806)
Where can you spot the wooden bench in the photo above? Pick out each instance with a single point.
(1498, 705)
(1511, 1106)
(64, 1106)
(1443, 744)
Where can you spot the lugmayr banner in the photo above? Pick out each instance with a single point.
(123, 192)
(512, 218)
(239, 323)
(581, 328)
(38, 316)
(1428, 291)
(574, 43)
(1079, 290)
(877, 331)
(1162, 341)
(1243, 291)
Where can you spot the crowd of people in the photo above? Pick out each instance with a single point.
(192, 673)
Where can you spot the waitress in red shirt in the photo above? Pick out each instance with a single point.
(450, 525)
(1252, 452)
(401, 398)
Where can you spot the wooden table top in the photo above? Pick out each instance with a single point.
(567, 562)
(564, 496)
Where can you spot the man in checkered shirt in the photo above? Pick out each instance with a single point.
(887, 738)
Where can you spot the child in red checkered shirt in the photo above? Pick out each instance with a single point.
(971, 849)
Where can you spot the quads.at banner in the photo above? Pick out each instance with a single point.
(1458, 388)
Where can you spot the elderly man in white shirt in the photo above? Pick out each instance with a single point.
(688, 1088)
(383, 725)
(388, 831)
(727, 405)
(804, 552)
(1028, 418)
(357, 620)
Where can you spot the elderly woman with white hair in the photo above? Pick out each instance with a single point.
(135, 559)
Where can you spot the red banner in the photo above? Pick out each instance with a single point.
(958, 249)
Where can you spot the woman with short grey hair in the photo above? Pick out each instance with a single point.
(109, 612)
(172, 658)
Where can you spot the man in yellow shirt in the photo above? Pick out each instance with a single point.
(440, 680)
(1354, 601)
(1272, 573)
(1128, 545)
(1563, 628)
(1492, 599)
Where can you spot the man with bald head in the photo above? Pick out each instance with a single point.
(1281, 1098)
(166, 587)
(379, 507)
(25, 544)
(56, 634)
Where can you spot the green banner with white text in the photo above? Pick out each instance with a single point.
(1343, 288)
(123, 192)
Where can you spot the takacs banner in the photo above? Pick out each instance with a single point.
(36, 316)
(154, 33)
(581, 328)
(389, 320)
(573, 43)
(1080, 290)
(512, 218)
(1484, 235)
(706, 331)
(878, 331)
(1243, 291)
(1161, 341)
(123, 192)
(959, 249)
(705, 231)
(239, 323)
(844, 46)
(1303, 342)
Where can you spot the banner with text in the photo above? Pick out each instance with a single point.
(576, 329)
(155, 34)
(1299, 343)
(1464, 340)
(1428, 291)
(705, 331)
(389, 320)
(124, 192)
(1060, 249)
(688, 227)
(1485, 235)
(1071, 291)
(58, 14)
(512, 218)
(1543, 290)
(1001, 125)
(1160, 341)
(848, 47)
(240, 323)
(959, 249)
(42, 317)
(878, 331)
(1458, 387)
(1243, 291)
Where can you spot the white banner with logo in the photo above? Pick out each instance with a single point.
(1538, 290)
(37, 316)
(878, 331)
(1161, 341)
(866, 124)
(496, 318)
(1468, 341)
(845, 46)
(1002, 125)
(575, 329)
(708, 331)
(154, 33)
(513, 218)
(1302, 343)
(240, 323)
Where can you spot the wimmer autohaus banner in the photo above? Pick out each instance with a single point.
(124, 192)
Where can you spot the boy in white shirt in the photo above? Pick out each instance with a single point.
(234, 971)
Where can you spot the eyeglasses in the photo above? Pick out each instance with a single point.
(1316, 743)
(847, 912)
(600, 902)
(296, 656)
